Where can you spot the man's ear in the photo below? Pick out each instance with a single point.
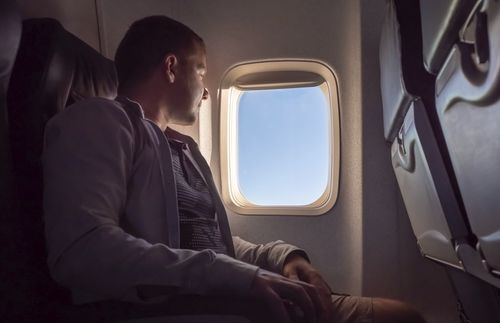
(170, 67)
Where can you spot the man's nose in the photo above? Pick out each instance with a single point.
(205, 94)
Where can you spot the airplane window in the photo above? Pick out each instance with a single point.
(283, 152)
(279, 138)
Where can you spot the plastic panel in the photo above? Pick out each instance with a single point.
(395, 97)
(419, 193)
(468, 104)
(441, 23)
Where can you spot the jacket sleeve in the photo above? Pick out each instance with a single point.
(270, 256)
(87, 160)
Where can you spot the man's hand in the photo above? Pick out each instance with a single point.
(278, 291)
(298, 268)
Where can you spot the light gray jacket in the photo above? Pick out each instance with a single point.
(111, 217)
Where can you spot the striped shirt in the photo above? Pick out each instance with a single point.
(199, 228)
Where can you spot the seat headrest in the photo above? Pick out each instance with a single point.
(53, 69)
(58, 68)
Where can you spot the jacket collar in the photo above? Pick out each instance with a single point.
(134, 106)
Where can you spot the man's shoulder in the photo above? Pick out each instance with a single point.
(97, 108)
(95, 103)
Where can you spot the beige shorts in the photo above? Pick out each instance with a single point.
(352, 309)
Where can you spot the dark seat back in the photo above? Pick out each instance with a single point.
(53, 68)
(10, 35)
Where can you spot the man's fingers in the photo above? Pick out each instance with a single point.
(296, 292)
(319, 282)
(291, 273)
(319, 292)
(276, 306)
(324, 293)
(306, 296)
(299, 266)
(316, 298)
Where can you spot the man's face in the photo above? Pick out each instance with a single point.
(189, 88)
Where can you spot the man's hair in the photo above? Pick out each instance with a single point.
(145, 45)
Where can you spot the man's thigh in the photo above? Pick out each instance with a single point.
(344, 309)
(351, 309)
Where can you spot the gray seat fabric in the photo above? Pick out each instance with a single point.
(441, 23)
(468, 105)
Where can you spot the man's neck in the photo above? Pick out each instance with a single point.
(151, 105)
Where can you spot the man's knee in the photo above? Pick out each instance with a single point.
(392, 311)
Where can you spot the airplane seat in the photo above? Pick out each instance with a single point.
(406, 90)
(10, 35)
(468, 106)
(467, 63)
(49, 73)
(10, 32)
(420, 158)
(53, 69)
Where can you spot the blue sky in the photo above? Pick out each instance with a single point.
(283, 150)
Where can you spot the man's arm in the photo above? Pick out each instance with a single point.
(87, 161)
(293, 263)
(270, 256)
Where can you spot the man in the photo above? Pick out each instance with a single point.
(131, 209)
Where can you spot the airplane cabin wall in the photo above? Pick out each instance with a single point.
(364, 245)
